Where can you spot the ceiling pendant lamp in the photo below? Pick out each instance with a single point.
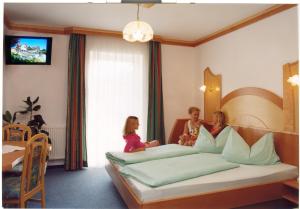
(137, 30)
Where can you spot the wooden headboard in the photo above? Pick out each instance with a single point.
(253, 107)
(286, 144)
(256, 111)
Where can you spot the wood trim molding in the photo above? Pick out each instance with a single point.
(245, 22)
(290, 98)
(277, 100)
(7, 22)
(35, 28)
(118, 34)
(212, 94)
(92, 31)
(87, 31)
(164, 40)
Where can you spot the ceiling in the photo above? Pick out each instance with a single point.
(178, 21)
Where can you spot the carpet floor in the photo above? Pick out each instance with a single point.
(92, 188)
(87, 188)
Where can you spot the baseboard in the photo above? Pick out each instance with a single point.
(55, 166)
(56, 163)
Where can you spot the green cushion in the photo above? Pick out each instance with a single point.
(11, 188)
(207, 143)
(261, 153)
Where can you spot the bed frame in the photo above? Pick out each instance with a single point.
(286, 145)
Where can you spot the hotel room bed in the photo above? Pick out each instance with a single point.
(247, 184)
(242, 176)
(236, 187)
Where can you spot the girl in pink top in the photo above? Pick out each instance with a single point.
(133, 141)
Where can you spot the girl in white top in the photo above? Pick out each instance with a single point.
(191, 128)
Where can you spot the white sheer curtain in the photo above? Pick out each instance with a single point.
(116, 86)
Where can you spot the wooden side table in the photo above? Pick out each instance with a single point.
(291, 191)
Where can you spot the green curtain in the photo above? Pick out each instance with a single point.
(155, 125)
(76, 152)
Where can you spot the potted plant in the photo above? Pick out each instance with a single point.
(35, 122)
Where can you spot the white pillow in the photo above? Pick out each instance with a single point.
(261, 153)
(207, 143)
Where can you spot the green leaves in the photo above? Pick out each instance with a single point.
(36, 120)
(14, 117)
(7, 117)
(28, 101)
(30, 106)
(39, 120)
(23, 112)
(36, 108)
(36, 100)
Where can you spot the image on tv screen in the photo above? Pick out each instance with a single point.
(28, 50)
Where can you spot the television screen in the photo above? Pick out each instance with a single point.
(28, 50)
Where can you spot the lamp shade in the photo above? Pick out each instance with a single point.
(137, 31)
(203, 88)
(294, 80)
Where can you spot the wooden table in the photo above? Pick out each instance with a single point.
(9, 158)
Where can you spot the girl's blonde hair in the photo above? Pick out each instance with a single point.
(220, 118)
(193, 109)
(127, 129)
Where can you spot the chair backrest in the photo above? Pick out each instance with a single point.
(34, 165)
(16, 132)
(178, 128)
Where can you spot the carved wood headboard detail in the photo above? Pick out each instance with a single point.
(254, 107)
(277, 100)
(291, 98)
(212, 95)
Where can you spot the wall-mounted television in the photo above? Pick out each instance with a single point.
(28, 50)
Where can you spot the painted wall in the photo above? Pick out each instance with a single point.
(178, 64)
(47, 81)
(252, 56)
(50, 82)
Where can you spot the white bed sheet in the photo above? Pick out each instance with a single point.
(234, 178)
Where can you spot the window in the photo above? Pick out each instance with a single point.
(116, 86)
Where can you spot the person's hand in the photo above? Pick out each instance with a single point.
(190, 143)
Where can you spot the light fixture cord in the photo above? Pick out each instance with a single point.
(138, 12)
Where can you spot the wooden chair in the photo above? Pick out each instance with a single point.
(16, 132)
(178, 128)
(19, 190)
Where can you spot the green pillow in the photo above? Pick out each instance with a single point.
(261, 153)
(207, 143)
